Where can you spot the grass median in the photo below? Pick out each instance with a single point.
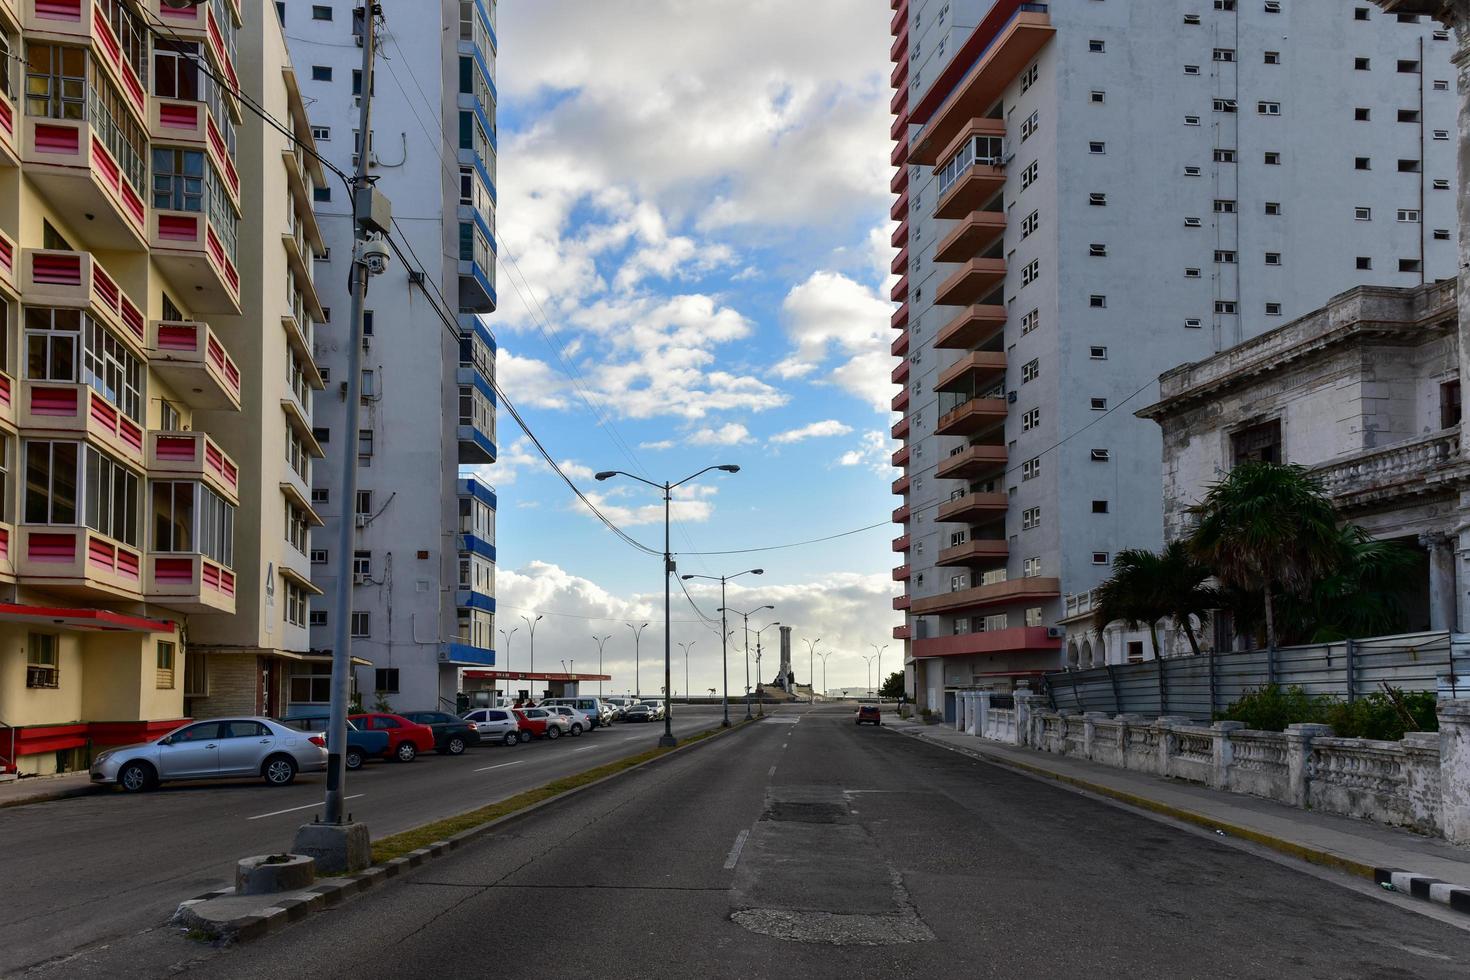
(397, 845)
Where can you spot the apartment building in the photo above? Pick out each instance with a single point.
(131, 432)
(1089, 194)
(428, 401)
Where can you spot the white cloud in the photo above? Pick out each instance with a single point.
(874, 452)
(529, 382)
(729, 434)
(827, 427)
(660, 444)
(832, 315)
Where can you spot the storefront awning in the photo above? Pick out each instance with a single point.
(97, 620)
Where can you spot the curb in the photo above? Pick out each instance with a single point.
(1457, 897)
(333, 891)
(88, 789)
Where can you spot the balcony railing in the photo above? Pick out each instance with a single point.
(975, 551)
(973, 507)
(85, 22)
(971, 461)
(190, 583)
(971, 417)
(9, 133)
(79, 560)
(201, 24)
(48, 407)
(189, 356)
(971, 282)
(84, 182)
(193, 456)
(1404, 469)
(974, 326)
(77, 280)
(190, 249)
(1010, 591)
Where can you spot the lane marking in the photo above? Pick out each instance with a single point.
(772, 772)
(582, 749)
(735, 851)
(784, 744)
(293, 809)
(501, 766)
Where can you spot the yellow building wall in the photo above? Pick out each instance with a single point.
(20, 705)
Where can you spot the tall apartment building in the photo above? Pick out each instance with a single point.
(1089, 194)
(140, 364)
(428, 403)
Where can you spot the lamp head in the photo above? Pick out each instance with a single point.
(730, 468)
(686, 577)
(606, 475)
(757, 571)
(768, 607)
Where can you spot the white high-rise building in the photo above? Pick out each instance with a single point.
(1093, 192)
(428, 402)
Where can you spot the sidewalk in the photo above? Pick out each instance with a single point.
(1358, 847)
(35, 789)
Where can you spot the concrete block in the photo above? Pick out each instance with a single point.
(336, 848)
(266, 874)
(1454, 770)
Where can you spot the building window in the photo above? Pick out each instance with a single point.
(364, 446)
(190, 518)
(1191, 273)
(1363, 262)
(1097, 353)
(1224, 105)
(1273, 207)
(318, 556)
(1441, 184)
(1030, 518)
(1031, 469)
(298, 528)
(321, 134)
(1224, 156)
(1097, 96)
(1097, 146)
(1030, 223)
(1033, 616)
(1225, 256)
(1097, 301)
(1273, 258)
(1191, 120)
(1099, 557)
(364, 502)
(1030, 174)
(1097, 200)
(361, 623)
(1031, 272)
(1193, 223)
(1030, 420)
(1272, 159)
(1029, 127)
(1099, 405)
(1101, 455)
(1362, 214)
(69, 345)
(1273, 309)
(1224, 206)
(1097, 250)
(1408, 215)
(1030, 322)
(1030, 370)
(321, 73)
(1225, 307)
(385, 680)
(1191, 69)
(362, 565)
(321, 11)
(43, 667)
(1258, 443)
(1223, 54)
(1449, 404)
(1362, 114)
(322, 195)
(1441, 234)
(1193, 323)
(1096, 46)
(107, 490)
(321, 434)
(1272, 57)
(312, 685)
(1193, 172)
(1099, 506)
(1031, 567)
(1408, 166)
(1362, 64)
(165, 660)
(317, 617)
(1408, 265)
(1268, 108)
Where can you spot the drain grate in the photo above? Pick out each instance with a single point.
(805, 812)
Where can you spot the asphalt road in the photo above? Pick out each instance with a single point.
(806, 847)
(91, 870)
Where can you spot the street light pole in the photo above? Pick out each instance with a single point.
(687, 688)
(725, 635)
(637, 640)
(508, 637)
(811, 646)
(879, 651)
(824, 657)
(667, 739)
(600, 641)
(758, 659)
(531, 625)
(869, 662)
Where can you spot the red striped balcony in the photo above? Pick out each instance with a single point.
(190, 251)
(189, 583)
(82, 180)
(7, 556)
(900, 347)
(901, 602)
(901, 457)
(77, 561)
(85, 22)
(974, 552)
(901, 485)
(973, 417)
(1016, 639)
(973, 508)
(76, 280)
(903, 632)
(190, 357)
(10, 257)
(972, 462)
(181, 122)
(900, 400)
(1011, 591)
(9, 416)
(900, 429)
(975, 326)
(975, 371)
(901, 573)
(193, 456)
(901, 514)
(10, 133)
(972, 237)
(902, 542)
(54, 408)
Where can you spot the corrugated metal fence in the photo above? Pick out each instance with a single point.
(1198, 687)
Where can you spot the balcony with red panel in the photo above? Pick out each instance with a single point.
(1014, 45)
(190, 250)
(900, 264)
(901, 602)
(201, 24)
(182, 122)
(51, 277)
(899, 103)
(971, 282)
(901, 514)
(901, 457)
(902, 542)
(88, 186)
(901, 573)
(10, 133)
(973, 508)
(77, 561)
(900, 124)
(900, 400)
(972, 237)
(900, 374)
(10, 257)
(77, 411)
(972, 462)
(900, 347)
(900, 317)
(900, 291)
(191, 358)
(900, 429)
(900, 16)
(900, 236)
(901, 485)
(976, 371)
(189, 583)
(900, 207)
(87, 23)
(974, 327)
(900, 152)
(899, 49)
(1009, 592)
(976, 551)
(973, 417)
(971, 190)
(902, 632)
(1014, 639)
(193, 456)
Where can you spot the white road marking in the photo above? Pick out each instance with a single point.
(772, 772)
(784, 744)
(501, 766)
(277, 813)
(735, 851)
(582, 749)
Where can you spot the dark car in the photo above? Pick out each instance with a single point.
(361, 745)
(869, 713)
(639, 712)
(451, 734)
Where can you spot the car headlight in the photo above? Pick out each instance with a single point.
(101, 757)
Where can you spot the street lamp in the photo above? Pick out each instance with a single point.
(531, 625)
(668, 490)
(600, 640)
(758, 662)
(507, 638)
(879, 651)
(686, 647)
(637, 639)
(869, 662)
(746, 617)
(824, 657)
(725, 635)
(811, 646)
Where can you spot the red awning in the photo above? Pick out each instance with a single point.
(100, 620)
(519, 675)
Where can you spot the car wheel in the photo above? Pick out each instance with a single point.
(456, 745)
(354, 759)
(407, 752)
(135, 777)
(279, 770)
(525, 736)
(511, 738)
(552, 732)
(576, 729)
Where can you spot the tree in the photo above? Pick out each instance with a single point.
(1132, 593)
(1182, 592)
(893, 686)
(1270, 527)
(1360, 596)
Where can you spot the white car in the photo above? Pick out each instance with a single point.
(578, 720)
(214, 749)
(495, 725)
(657, 704)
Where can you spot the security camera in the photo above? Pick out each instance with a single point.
(375, 256)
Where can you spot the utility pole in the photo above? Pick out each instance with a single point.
(758, 661)
(343, 846)
(637, 641)
(869, 662)
(600, 640)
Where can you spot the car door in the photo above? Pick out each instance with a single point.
(243, 746)
(190, 752)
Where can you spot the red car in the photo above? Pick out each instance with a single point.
(869, 713)
(406, 739)
(540, 723)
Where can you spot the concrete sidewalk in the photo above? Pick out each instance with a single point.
(35, 789)
(1358, 847)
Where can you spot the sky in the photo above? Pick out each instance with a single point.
(694, 257)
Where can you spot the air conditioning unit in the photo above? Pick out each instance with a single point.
(359, 578)
(361, 520)
(1055, 633)
(1010, 398)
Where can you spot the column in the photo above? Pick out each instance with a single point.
(1443, 597)
(1454, 770)
(1298, 751)
(981, 717)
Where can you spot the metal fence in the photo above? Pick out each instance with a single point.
(1198, 687)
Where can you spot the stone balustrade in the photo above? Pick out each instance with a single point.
(1421, 783)
(1405, 464)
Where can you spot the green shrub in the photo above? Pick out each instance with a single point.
(1272, 708)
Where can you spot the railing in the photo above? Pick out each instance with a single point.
(1078, 604)
(1381, 469)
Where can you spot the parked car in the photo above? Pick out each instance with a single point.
(638, 712)
(211, 750)
(451, 735)
(869, 714)
(579, 722)
(495, 724)
(620, 703)
(606, 714)
(540, 723)
(361, 745)
(586, 705)
(406, 739)
(657, 705)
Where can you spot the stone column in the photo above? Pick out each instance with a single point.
(1454, 770)
(1165, 726)
(1223, 753)
(1089, 730)
(981, 717)
(1298, 753)
(1027, 705)
(961, 700)
(1443, 593)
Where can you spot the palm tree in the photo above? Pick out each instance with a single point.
(1360, 597)
(1131, 594)
(1270, 527)
(1182, 590)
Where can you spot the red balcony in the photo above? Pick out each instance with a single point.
(10, 135)
(899, 49)
(901, 602)
(973, 417)
(53, 408)
(199, 24)
(84, 22)
(900, 124)
(901, 514)
(1010, 592)
(900, 429)
(900, 317)
(972, 462)
(900, 264)
(900, 400)
(78, 561)
(900, 374)
(972, 191)
(901, 457)
(189, 250)
(902, 632)
(900, 16)
(971, 282)
(77, 280)
(79, 176)
(190, 583)
(900, 236)
(7, 553)
(973, 508)
(900, 208)
(901, 573)
(902, 542)
(897, 79)
(193, 456)
(974, 552)
(190, 123)
(900, 291)
(900, 347)
(976, 371)
(189, 356)
(900, 151)
(974, 327)
(899, 103)
(1006, 56)
(9, 416)
(10, 257)
(978, 233)
(1016, 639)
(901, 485)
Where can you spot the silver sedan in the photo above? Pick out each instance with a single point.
(215, 749)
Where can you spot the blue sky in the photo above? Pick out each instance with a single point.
(694, 269)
